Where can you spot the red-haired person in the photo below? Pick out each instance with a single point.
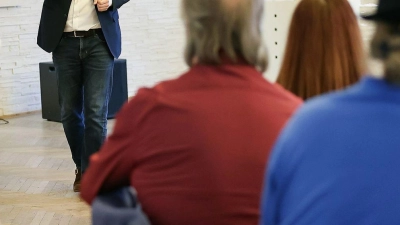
(324, 49)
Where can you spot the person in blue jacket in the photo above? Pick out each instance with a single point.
(337, 161)
(84, 37)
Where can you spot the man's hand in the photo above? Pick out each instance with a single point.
(102, 5)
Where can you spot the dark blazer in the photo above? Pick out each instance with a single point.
(54, 18)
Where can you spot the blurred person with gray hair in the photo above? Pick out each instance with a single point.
(337, 161)
(195, 148)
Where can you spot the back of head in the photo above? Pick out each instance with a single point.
(385, 46)
(324, 50)
(231, 27)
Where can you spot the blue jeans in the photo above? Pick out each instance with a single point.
(84, 70)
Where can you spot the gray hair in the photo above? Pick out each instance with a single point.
(232, 27)
(385, 46)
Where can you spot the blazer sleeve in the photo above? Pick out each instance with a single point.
(116, 4)
(111, 167)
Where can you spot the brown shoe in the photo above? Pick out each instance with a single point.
(77, 182)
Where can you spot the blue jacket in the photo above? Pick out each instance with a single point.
(54, 17)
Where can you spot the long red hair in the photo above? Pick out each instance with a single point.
(324, 50)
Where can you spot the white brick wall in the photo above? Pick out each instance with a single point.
(153, 40)
(19, 57)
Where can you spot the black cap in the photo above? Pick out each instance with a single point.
(388, 11)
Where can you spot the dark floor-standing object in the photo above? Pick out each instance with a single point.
(49, 91)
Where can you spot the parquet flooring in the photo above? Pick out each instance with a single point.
(36, 175)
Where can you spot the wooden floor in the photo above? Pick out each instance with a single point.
(36, 174)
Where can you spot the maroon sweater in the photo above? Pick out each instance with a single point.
(195, 148)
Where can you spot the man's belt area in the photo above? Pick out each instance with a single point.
(83, 34)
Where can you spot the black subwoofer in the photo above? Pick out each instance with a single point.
(49, 91)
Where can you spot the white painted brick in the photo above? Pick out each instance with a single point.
(15, 109)
(18, 100)
(4, 66)
(28, 45)
(4, 50)
(5, 72)
(13, 48)
(6, 90)
(30, 89)
(31, 75)
(30, 36)
(28, 28)
(25, 69)
(8, 85)
(34, 107)
(9, 57)
(7, 41)
(28, 61)
(9, 30)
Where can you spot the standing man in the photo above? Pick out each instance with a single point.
(84, 37)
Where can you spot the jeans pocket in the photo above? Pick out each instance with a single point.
(100, 37)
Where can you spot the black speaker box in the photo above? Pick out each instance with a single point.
(49, 90)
